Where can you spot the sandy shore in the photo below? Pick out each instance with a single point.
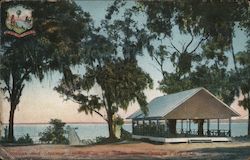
(135, 150)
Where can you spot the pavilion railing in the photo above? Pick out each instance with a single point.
(160, 131)
(206, 133)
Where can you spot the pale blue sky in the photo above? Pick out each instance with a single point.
(40, 102)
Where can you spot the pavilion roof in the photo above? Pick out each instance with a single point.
(197, 103)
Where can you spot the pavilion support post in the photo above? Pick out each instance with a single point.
(138, 127)
(157, 127)
(150, 127)
(172, 127)
(182, 126)
(133, 126)
(166, 128)
(218, 126)
(143, 127)
(208, 127)
(230, 122)
(186, 125)
(189, 126)
(200, 127)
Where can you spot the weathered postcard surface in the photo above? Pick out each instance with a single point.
(115, 79)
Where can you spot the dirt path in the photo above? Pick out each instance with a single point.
(5, 155)
(135, 150)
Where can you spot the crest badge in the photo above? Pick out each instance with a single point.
(19, 21)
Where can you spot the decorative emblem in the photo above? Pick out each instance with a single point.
(19, 21)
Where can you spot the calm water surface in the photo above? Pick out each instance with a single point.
(91, 131)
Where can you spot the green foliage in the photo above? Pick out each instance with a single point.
(202, 60)
(55, 133)
(110, 59)
(104, 140)
(4, 138)
(125, 135)
(213, 18)
(121, 82)
(25, 140)
(159, 16)
(244, 72)
(101, 140)
(118, 121)
(243, 59)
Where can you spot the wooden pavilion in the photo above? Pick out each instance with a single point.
(184, 117)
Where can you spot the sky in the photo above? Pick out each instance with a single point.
(40, 103)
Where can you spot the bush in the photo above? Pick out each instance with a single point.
(104, 140)
(88, 142)
(118, 121)
(101, 140)
(55, 133)
(125, 135)
(4, 139)
(25, 140)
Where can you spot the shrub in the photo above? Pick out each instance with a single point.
(125, 135)
(25, 140)
(55, 133)
(4, 139)
(118, 121)
(105, 140)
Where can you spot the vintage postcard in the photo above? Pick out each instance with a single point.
(118, 79)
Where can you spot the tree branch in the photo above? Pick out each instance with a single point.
(160, 64)
(203, 39)
(185, 50)
(25, 75)
(19, 93)
(8, 87)
(174, 47)
(93, 110)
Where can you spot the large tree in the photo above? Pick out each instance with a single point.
(120, 82)
(244, 72)
(59, 28)
(209, 26)
(243, 58)
(201, 58)
(110, 65)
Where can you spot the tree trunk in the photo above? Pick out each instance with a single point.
(200, 127)
(234, 58)
(110, 125)
(248, 133)
(172, 126)
(11, 125)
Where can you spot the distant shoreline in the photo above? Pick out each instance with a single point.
(126, 122)
(41, 123)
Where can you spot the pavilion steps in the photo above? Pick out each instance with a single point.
(184, 139)
(200, 141)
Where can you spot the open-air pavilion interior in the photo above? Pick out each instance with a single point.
(184, 116)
